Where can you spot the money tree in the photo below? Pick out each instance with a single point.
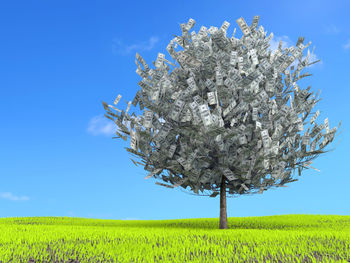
(219, 121)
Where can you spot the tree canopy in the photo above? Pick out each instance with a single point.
(223, 111)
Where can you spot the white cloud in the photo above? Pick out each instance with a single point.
(72, 214)
(101, 125)
(10, 196)
(332, 29)
(347, 45)
(119, 48)
(286, 43)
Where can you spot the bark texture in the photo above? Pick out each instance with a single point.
(223, 209)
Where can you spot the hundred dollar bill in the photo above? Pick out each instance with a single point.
(243, 25)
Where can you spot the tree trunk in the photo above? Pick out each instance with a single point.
(223, 210)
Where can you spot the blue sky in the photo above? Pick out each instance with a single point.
(61, 59)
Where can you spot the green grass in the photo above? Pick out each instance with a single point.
(285, 238)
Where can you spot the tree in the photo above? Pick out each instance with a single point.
(213, 124)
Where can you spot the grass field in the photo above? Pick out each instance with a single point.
(285, 238)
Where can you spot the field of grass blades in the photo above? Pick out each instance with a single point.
(284, 238)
